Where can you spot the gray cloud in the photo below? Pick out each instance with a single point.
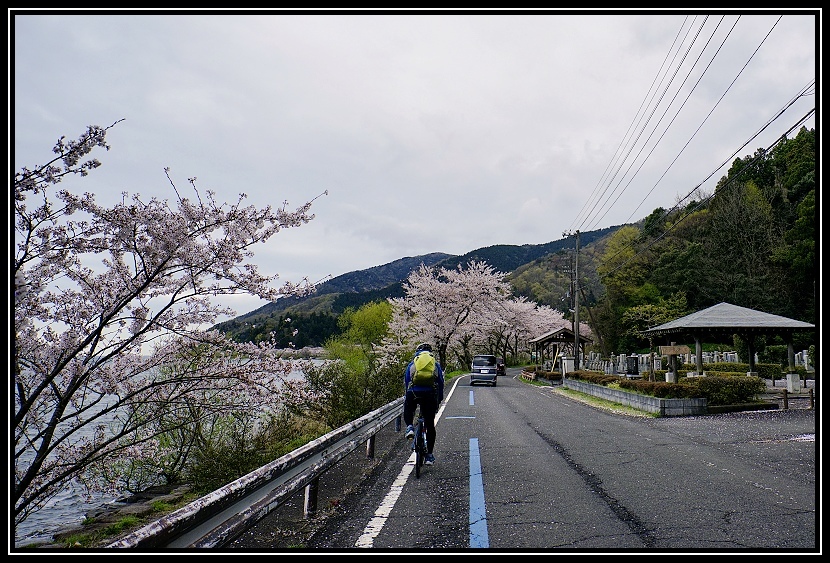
(473, 117)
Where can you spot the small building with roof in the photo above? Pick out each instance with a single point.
(557, 343)
(723, 320)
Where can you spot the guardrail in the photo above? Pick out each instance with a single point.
(218, 518)
(530, 376)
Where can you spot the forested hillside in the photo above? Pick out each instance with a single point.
(752, 243)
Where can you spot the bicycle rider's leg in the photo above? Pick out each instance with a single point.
(429, 407)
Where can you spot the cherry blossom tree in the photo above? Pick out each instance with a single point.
(464, 311)
(519, 321)
(109, 356)
(441, 304)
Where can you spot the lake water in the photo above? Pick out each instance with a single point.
(65, 510)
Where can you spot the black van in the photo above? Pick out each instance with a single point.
(485, 369)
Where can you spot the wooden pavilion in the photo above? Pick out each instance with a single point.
(557, 343)
(724, 320)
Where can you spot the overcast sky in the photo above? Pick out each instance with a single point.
(431, 132)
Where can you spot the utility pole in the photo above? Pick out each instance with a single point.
(576, 304)
(575, 291)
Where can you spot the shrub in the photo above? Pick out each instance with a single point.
(241, 449)
(727, 390)
(549, 375)
(722, 389)
(594, 377)
(811, 353)
(764, 371)
(775, 353)
(661, 389)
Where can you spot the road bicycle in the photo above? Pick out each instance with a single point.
(419, 443)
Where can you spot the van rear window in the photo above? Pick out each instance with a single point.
(484, 361)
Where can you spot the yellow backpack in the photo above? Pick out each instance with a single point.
(423, 370)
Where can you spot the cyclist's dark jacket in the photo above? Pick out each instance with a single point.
(439, 388)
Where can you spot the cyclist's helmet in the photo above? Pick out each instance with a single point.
(424, 347)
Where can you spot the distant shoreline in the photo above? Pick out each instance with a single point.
(309, 352)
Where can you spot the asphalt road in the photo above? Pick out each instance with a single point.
(525, 469)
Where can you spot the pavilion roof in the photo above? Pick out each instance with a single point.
(559, 335)
(728, 318)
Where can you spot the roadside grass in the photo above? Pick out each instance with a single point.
(94, 533)
(597, 402)
(92, 538)
(449, 375)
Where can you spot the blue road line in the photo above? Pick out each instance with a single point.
(478, 514)
(472, 399)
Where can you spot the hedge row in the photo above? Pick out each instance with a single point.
(717, 390)
(764, 371)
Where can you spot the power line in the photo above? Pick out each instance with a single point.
(596, 208)
(637, 117)
(654, 127)
(691, 91)
(618, 160)
(805, 91)
(707, 199)
(708, 115)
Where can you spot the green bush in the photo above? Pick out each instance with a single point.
(811, 353)
(764, 371)
(660, 389)
(775, 353)
(727, 390)
(242, 448)
(549, 375)
(594, 377)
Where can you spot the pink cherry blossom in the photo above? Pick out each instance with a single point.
(462, 312)
(109, 355)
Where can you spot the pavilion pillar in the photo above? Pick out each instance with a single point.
(750, 346)
(790, 354)
(699, 354)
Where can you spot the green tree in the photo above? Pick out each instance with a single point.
(796, 262)
(353, 381)
(641, 317)
(740, 238)
(678, 264)
(624, 272)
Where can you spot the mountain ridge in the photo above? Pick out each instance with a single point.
(358, 287)
(357, 281)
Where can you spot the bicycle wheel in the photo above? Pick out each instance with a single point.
(420, 451)
(424, 449)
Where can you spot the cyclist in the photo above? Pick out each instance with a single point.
(429, 397)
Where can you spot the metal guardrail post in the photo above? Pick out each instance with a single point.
(370, 447)
(310, 506)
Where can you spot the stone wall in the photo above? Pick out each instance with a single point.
(656, 405)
